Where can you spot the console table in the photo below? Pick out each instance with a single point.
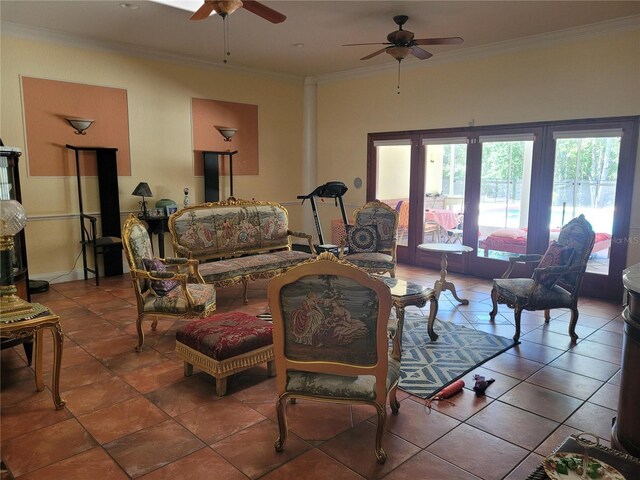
(21, 326)
(157, 225)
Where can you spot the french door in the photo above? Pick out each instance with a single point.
(592, 174)
(423, 178)
(506, 190)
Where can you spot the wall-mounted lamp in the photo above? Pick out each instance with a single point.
(143, 190)
(13, 218)
(80, 124)
(226, 132)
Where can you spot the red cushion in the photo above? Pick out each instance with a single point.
(226, 335)
(557, 255)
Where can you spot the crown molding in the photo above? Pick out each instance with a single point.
(43, 34)
(481, 51)
(508, 46)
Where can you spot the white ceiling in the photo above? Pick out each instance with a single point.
(321, 27)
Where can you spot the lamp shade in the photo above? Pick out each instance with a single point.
(226, 132)
(80, 124)
(142, 190)
(13, 217)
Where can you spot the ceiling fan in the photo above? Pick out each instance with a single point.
(401, 43)
(227, 7)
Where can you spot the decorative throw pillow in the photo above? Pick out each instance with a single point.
(160, 287)
(557, 255)
(362, 239)
(385, 232)
(509, 233)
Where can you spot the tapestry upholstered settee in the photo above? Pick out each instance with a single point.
(237, 240)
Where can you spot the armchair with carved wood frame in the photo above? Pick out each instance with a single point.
(554, 286)
(381, 256)
(174, 287)
(330, 340)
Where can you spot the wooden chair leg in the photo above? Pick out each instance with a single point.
(95, 266)
(517, 313)
(494, 301)
(281, 406)
(381, 455)
(573, 323)
(393, 401)
(271, 368)
(188, 369)
(84, 261)
(140, 333)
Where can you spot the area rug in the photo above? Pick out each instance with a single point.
(428, 366)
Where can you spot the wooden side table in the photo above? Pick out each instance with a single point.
(404, 294)
(444, 249)
(19, 326)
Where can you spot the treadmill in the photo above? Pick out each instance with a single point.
(334, 190)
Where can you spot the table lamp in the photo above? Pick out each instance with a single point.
(143, 190)
(13, 218)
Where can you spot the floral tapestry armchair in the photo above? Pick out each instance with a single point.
(371, 240)
(163, 286)
(556, 279)
(330, 339)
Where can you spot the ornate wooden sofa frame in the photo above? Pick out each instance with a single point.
(237, 240)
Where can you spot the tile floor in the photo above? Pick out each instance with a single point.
(131, 415)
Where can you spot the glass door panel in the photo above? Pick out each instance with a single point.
(444, 183)
(584, 182)
(393, 181)
(504, 195)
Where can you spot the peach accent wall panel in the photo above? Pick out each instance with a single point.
(48, 102)
(208, 113)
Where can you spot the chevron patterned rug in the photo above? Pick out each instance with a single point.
(428, 366)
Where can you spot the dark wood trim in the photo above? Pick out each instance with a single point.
(542, 173)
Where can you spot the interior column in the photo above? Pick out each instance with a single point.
(309, 142)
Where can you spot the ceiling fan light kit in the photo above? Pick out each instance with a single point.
(399, 53)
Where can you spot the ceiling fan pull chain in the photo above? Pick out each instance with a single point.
(398, 92)
(225, 28)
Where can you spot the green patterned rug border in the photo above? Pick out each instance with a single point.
(427, 367)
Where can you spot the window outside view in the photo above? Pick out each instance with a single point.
(584, 182)
(504, 197)
(392, 183)
(445, 171)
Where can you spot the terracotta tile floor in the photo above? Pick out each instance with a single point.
(131, 415)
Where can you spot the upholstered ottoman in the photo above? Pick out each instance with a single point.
(224, 344)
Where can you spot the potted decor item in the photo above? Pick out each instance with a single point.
(165, 202)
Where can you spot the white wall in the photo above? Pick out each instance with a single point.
(159, 96)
